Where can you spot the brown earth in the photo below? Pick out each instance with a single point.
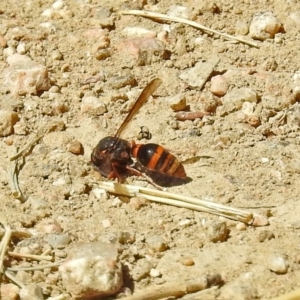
(253, 168)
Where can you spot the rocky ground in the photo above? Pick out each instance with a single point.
(71, 70)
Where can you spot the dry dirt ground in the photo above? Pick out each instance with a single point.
(251, 167)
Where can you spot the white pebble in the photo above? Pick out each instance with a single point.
(58, 4)
(180, 12)
(219, 85)
(278, 264)
(93, 106)
(21, 48)
(264, 25)
(106, 223)
(185, 222)
(100, 193)
(47, 13)
(138, 31)
(155, 273)
(264, 160)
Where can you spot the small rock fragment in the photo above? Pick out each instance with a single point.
(197, 76)
(3, 41)
(142, 269)
(7, 121)
(155, 273)
(126, 237)
(239, 290)
(219, 85)
(26, 77)
(187, 261)
(93, 106)
(31, 292)
(178, 102)
(264, 26)
(56, 240)
(278, 264)
(216, 231)
(92, 270)
(49, 226)
(260, 220)
(156, 243)
(75, 147)
(137, 202)
(180, 12)
(138, 31)
(9, 291)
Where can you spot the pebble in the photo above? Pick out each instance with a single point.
(278, 264)
(7, 121)
(56, 55)
(21, 48)
(155, 273)
(57, 240)
(241, 226)
(216, 231)
(137, 202)
(156, 243)
(187, 261)
(25, 76)
(143, 51)
(234, 100)
(197, 76)
(126, 237)
(260, 220)
(264, 25)
(75, 147)
(93, 106)
(100, 193)
(185, 223)
(180, 12)
(32, 291)
(177, 102)
(219, 85)
(49, 226)
(142, 269)
(3, 41)
(9, 291)
(239, 290)
(241, 27)
(92, 270)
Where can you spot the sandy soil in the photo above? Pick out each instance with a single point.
(255, 168)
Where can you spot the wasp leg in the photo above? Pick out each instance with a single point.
(115, 173)
(138, 173)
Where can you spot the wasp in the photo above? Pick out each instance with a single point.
(117, 158)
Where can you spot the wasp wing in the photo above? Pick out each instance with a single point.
(146, 93)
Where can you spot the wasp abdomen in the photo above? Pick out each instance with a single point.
(157, 158)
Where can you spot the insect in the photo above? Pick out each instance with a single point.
(144, 133)
(118, 158)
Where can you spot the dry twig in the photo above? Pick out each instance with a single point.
(176, 289)
(177, 200)
(30, 256)
(153, 15)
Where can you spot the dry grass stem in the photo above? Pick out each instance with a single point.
(5, 240)
(294, 295)
(30, 256)
(176, 289)
(153, 15)
(14, 279)
(178, 200)
(23, 151)
(39, 267)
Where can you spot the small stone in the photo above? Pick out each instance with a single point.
(180, 12)
(143, 51)
(49, 226)
(241, 27)
(59, 4)
(187, 261)
(118, 82)
(93, 106)
(142, 269)
(185, 222)
(7, 121)
(100, 193)
(260, 220)
(31, 292)
(264, 26)
(92, 270)
(9, 291)
(3, 41)
(155, 273)
(278, 264)
(21, 48)
(137, 202)
(56, 55)
(156, 243)
(178, 102)
(216, 231)
(241, 226)
(219, 85)
(57, 240)
(106, 223)
(26, 77)
(75, 147)
(234, 100)
(197, 76)
(265, 235)
(102, 54)
(239, 290)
